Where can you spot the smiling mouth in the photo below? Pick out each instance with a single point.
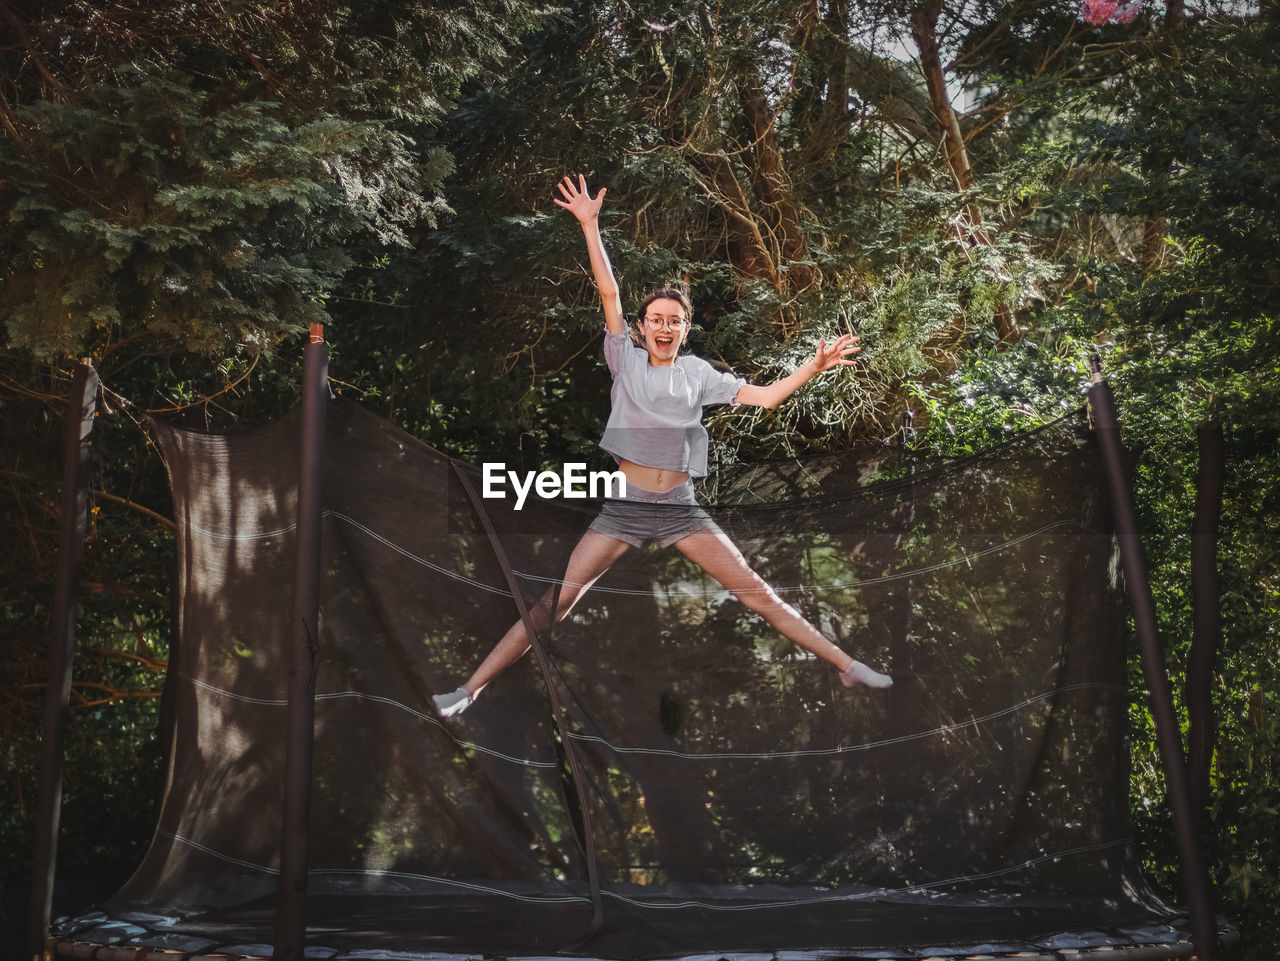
(663, 341)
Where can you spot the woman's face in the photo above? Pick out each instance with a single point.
(664, 328)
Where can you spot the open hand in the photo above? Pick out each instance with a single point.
(836, 355)
(578, 200)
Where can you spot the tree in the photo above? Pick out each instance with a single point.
(199, 178)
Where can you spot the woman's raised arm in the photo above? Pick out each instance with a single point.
(579, 202)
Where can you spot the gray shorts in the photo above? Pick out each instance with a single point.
(645, 515)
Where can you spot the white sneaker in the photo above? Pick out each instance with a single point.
(455, 702)
(858, 673)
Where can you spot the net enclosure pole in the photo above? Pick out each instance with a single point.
(81, 407)
(290, 933)
(1195, 881)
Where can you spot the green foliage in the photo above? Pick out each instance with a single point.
(1193, 143)
(199, 178)
(998, 393)
(140, 209)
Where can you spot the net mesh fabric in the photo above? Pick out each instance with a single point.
(737, 797)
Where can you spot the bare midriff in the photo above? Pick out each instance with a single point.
(652, 478)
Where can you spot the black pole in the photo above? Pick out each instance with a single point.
(291, 925)
(57, 699)
(1206, 612)
(1195, 880)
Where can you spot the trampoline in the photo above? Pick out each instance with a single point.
(663, 777)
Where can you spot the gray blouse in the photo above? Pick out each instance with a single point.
(656, 418)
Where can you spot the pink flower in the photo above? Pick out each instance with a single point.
(1101, 11)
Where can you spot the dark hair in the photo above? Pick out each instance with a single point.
(677, 292)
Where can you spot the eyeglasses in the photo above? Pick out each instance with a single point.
(658, 322)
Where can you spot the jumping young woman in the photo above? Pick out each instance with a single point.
(655, 434)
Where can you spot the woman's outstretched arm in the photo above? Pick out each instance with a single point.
(825, 358)
(579, 202)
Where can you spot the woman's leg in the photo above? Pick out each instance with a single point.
(592, 556)
(711, 549)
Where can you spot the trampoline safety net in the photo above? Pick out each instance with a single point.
(740, 802)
